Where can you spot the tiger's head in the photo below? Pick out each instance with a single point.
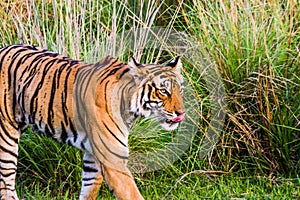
(159, 92)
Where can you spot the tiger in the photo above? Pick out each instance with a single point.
(88, 106)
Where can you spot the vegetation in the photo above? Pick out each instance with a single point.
(252, 46)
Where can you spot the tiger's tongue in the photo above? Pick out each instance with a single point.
(179, 118)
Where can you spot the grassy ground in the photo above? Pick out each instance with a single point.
(196, 186)
(252, 45)
(52, 171)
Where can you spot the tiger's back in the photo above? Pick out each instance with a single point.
(36, 87)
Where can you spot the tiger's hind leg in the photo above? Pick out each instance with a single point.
(9, 138)
(122, 184)
(91, 178)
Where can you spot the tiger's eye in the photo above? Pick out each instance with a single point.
(164, 91)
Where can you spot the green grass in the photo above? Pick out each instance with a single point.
(171, 184)
(251, 46)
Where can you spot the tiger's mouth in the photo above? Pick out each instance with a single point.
(171, 124)
(178, 119)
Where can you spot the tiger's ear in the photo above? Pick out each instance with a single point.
(133, 63)
(176, 64)
(138, 69)
(135, 66)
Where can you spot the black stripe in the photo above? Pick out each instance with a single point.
(9, 174)
(4, 140)
(89, 161)
(64, 134)
(52, 98)
(88, 179)
(106, 108)
(30, 47)
(124, 72)
(48, 131)
(122, 98)
(72, 128)
(163, 76)
(73, 62)
(86, 76)
(8, 151)
(10, 120)
(83, 141)
(142, 95)
(82, 145)
(151, 101)
(8, 134)
(150, 90)
(32, 73)
(61, 69)
(5, 188)
(64, 94)
(107, 147)
(64, 108)
(7, 161)
(114, 135)
(89, 169)
(157, 72)
(111, 72)
(105, 63)
(5, 53)
(8, 169)
(87, 184)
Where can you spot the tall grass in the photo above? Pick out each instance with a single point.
(254, 46)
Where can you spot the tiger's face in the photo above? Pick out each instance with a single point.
(159, 93)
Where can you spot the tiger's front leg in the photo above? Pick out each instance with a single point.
(9, 137)
(122, 184)
(91, 178)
